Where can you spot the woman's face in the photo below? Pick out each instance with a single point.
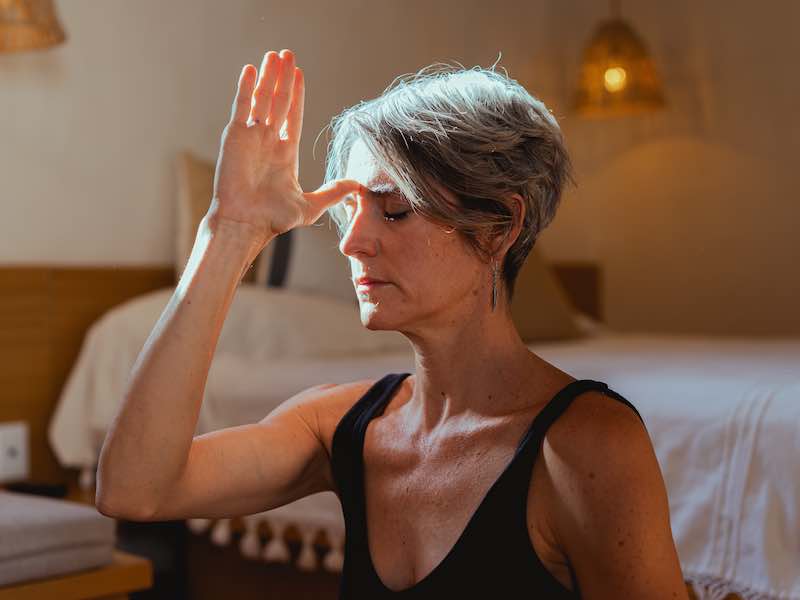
(432, 277)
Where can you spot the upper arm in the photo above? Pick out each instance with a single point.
(612, 515)
(255, 467)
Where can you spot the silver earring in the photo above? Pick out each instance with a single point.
(494, 285)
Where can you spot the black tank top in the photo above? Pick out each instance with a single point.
(494, 557)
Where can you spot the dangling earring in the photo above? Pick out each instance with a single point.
(494, 285)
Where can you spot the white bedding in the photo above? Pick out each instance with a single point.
(723, 414)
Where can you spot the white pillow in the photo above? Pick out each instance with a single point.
(267, 323)
(315, 264)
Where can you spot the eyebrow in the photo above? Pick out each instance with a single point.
(384, 189)
(380, 190)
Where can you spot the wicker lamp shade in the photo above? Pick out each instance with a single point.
(29, 25)
(617, 75)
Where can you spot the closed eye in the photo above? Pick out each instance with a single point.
(396, 216)
(349, 202)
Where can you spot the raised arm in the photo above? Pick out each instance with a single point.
(256, 197)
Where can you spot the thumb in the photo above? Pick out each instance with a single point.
(331, 193)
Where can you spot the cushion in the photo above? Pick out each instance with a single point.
(270, 324)
(540, 308)
(44, 537)
(195, 188)
(262, 325)
(307, 259)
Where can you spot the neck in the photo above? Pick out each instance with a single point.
(469, 374)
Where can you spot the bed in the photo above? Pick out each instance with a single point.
(723, 415)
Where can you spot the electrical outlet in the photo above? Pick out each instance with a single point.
(14, 461)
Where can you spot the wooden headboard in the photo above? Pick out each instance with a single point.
(582, 281)
(45, 312)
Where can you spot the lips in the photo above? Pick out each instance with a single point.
(368, 281)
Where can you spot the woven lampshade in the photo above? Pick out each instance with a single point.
(617, 75)
(29, 25)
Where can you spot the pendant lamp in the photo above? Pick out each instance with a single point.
(618, 76)
(29, 25)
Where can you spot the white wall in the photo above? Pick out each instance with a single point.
(691, 213)
(89, 130)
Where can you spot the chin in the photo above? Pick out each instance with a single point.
(375, 318)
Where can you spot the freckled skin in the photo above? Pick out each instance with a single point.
(473, 374)
(469, 360)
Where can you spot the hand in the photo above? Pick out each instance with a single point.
(255, 184)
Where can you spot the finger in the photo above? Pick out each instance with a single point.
(331, 193)
(294, 120)
(262, 97)
(240, 110)
(283, 91)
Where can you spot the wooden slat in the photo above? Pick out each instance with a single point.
(44, 314)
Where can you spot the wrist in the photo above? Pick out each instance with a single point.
(234, 235)
(227, 251)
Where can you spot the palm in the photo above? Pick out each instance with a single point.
(256, 181)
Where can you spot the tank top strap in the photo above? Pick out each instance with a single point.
(347, 458)
(505, 505)
(561, 402)
(529, 445)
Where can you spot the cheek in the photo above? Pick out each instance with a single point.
(447, 259)
(434, 252)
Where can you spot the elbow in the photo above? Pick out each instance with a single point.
(126, 511)
(104, 508)
(113, 499)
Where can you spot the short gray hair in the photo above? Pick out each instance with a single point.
(477, 133)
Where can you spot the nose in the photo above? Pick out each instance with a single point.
(361, 235)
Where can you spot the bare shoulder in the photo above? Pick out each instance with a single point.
(324, 405)
(590, 442)
(607, 505)
(594, 416)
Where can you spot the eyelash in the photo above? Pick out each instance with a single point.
(396, 216)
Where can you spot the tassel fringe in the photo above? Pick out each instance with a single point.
(221, 532)
(198, 526)
(710, 587)
(334, 559)
(276, 549)
(250, 544)
(307, 561)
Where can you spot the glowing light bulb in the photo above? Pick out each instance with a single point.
(614, 79)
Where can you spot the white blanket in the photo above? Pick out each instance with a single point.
(723, 414)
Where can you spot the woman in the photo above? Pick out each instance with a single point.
(487, 471)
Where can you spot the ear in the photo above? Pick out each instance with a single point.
(517, 206)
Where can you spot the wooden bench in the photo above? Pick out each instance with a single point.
(127, 573)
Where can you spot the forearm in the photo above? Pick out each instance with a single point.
(148, 443)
